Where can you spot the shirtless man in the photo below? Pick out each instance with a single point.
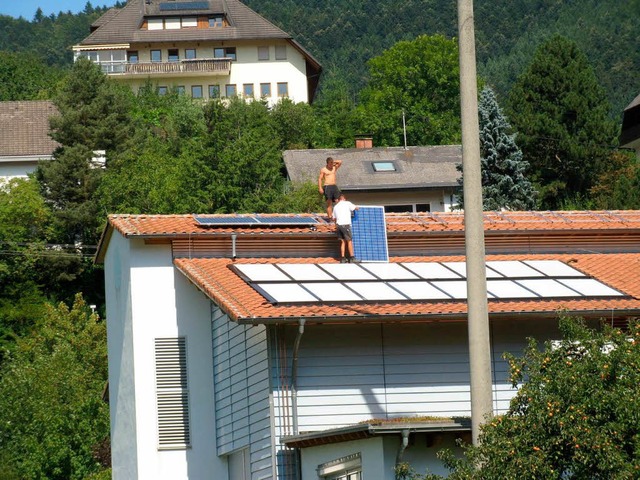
(327, 183)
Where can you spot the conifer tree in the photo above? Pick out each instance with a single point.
(504, 183)
(561, 115)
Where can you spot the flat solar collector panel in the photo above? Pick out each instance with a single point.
(415, 281)
(370, 234)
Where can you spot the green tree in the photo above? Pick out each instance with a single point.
(561, 115)
(52, 416)
(421, 79)
(575, 415)
(23, 76)
(504, 183)
(94, 115)
(24, 230)
(244, 155)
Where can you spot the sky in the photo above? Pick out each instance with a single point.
(27, 8)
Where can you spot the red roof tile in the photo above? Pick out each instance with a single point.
(185, 225)
(238, 299)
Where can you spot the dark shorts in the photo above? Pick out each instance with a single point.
(344, 232)
(331, 192)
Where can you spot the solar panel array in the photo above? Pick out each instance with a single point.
(370, 234)
(174, 6)
(259, 220)
(417, 281)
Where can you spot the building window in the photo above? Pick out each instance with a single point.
(172, 23)
(283, 89)
(132, 56)
(162, 90)
(265, 90)
(196, 91)
(156, 55)
(229, 52)
(155, 24)
(345, 468)
(173, 55)
(384, 166)
(214, 91)
(281, 52)
(423, 207)
(216, 21)
(190, 53)
(230, 90)
(247, 90)
(190, 22)
(410, 208)
(172, 393)
(180, 89)
(263, 53)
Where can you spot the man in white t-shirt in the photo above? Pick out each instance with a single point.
(342, 216)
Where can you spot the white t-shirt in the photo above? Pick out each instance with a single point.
(342, 212)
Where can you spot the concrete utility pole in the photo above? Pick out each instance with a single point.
(478, 317)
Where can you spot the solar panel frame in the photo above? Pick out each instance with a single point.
(514, 269)
(285, 220)
(177, 6)
(398, 282)
(554, 268)
(260, 272)
(225, 221)
(590, 287)
(284, 292)
(370, 234)
(376, 291)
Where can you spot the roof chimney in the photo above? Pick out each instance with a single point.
(364, 141)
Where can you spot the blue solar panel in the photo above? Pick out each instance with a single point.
(285, 220)
(370, 235)
(172, 6)
(225, 221)
(260, 220)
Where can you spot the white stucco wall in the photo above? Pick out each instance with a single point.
(148, 298)
(246, 69)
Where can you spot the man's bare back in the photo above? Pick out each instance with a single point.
(327, 178)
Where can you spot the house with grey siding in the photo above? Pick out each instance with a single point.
(402, 179)
(240, 348)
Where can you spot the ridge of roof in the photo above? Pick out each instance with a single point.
(124, 26)
(174, 226)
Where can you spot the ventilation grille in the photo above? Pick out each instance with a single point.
(172, 393)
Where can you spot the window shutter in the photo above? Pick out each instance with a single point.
(172, 393)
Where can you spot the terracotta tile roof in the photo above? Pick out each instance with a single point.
(24, 128)
(242, 303)
(174, 226)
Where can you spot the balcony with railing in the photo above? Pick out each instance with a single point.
(190, 67)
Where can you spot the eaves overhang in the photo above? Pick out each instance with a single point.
(368, 430)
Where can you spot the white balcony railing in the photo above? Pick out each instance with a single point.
(220, 66)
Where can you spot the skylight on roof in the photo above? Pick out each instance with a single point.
(384, 166)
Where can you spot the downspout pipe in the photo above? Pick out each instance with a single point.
(294, 376)
(234, 237)
(404, 443)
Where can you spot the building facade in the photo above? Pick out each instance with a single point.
(206, 49)
(239, 348)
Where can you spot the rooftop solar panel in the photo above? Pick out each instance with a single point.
(285, 220)
(370, 234)
(175, 6)
(259, 220)
(225, 221)
(413, 281)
